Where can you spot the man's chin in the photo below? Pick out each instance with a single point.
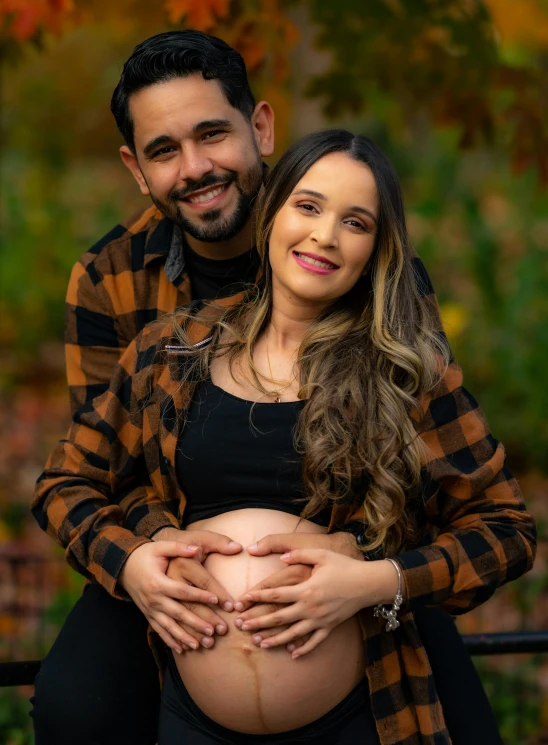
(213, 227)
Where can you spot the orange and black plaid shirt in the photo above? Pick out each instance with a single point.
(111, 483)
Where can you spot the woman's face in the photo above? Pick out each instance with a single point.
(324, 234)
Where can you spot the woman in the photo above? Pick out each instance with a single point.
(325, 400)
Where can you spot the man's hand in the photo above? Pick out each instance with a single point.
(280, 543)
(144, 577)
(207, 541)
(213, 622)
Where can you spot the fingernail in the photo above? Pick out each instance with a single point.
(239, 623)
(178, 650)
(228, 605)
(208, 630)
(257, 639)
(194, 645)
(193, 548)
(233, 544)
(285, 556)
(185, 647)
(207, 642)
(239, 606)
(265, 645)
(295, 655)
(245, 627)
(220, 628)
(253, 546)
(291, 647)
(213, 600)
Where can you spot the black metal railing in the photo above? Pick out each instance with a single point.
(24, 596)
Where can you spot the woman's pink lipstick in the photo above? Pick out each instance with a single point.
(314, 268)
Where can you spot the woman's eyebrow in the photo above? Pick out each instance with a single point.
(354, 208)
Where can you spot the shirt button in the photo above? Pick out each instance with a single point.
(360, 539)
(166, 460)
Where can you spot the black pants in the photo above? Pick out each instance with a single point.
(183, 723)
(99, 683)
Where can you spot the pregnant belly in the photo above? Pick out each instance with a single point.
(261, 691)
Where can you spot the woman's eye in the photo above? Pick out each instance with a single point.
(307, 207)
(359, 225)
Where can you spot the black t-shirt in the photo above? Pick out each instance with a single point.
(214, 278)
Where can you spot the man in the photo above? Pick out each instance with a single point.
(194, 141)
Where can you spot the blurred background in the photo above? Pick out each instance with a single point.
(455, 91)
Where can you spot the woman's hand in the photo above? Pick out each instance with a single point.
(338, 588)
(288, 576)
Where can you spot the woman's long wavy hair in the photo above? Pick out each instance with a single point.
(364, 364)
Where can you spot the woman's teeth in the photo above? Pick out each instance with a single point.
(208, 195)
(310, 260)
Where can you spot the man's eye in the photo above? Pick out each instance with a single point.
(214, 133)
(164, 151)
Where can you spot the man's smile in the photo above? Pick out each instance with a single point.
(211, 196)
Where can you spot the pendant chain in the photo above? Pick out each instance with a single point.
(276, 394)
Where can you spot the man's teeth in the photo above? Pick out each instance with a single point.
(207, 196)
(310, 260)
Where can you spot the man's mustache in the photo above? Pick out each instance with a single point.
(192, 186)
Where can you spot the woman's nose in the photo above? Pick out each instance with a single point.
(325, 233)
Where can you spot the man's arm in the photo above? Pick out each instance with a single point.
(93, 480)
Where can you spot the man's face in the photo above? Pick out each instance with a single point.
(199, 158)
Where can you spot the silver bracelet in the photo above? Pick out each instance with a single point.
(390, 615)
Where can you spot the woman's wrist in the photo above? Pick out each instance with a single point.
(381, 582)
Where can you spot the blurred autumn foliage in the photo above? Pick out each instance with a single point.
(443, 60)
(455, 91)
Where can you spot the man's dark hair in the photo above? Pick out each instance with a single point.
(176, 54)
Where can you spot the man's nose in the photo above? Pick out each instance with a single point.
(194, 164)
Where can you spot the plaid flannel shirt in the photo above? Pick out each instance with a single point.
(115, 289)
(111, 484)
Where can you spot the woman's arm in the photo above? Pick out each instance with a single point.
(486, 537)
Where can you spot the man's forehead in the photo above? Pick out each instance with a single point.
(177, 107)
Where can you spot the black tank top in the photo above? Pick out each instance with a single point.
(234, 454)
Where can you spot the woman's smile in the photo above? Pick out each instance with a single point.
(314, 263)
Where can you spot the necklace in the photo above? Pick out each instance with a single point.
(277, 394)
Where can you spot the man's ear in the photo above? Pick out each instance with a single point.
(262, 121)
(129, 159)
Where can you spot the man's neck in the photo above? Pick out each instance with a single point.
(229, 249)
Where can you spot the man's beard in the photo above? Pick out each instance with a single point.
(212, 226)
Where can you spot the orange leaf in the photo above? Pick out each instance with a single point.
(198, 14)
(26, 17)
